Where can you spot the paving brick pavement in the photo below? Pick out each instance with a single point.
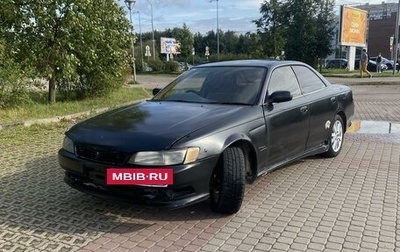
(348, 203)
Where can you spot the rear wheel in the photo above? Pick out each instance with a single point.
(336, 138)
(227, 183)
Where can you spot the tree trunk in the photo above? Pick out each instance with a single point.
(52, 90)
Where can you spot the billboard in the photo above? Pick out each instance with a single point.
(170, 46)
(353, 29)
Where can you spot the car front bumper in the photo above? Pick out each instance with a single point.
(191, 182)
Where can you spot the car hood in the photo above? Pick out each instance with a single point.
(148, 125)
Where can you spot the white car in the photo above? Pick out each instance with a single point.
(387, 62)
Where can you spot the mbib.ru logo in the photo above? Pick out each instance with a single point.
(132, 176)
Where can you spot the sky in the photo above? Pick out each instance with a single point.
(201, 15)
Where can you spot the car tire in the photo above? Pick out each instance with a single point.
(336, 137)
(227, 183)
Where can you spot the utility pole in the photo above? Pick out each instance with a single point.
(218, 27)
(130, 4)
(152, 29)
(396, 38)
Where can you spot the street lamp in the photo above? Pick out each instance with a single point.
(141, 40)
(130, 4)
(218, 27)
(152, 29)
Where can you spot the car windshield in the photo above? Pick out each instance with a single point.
(225, 85)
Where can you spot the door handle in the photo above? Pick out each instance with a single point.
(304, 109)
(333, 99)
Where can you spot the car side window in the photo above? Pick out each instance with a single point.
(284, 79)
(308, 80)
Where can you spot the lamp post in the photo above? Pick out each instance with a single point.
(130, 4)
(218, 27)
(141, 40)
(193, 53)
(396, 38)
(152, 29)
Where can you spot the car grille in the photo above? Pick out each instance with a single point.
(100, 155)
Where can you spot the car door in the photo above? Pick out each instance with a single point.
(322, 105)
(287, 122)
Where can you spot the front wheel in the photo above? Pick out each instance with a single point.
(336, 138)
(227, 183)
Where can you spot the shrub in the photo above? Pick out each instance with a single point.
(171, 66)
(156, 65)
(89, 85)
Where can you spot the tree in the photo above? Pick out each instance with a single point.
(79, 43)
(255, 45)
(325, 30)
(185, 37)
(310, 29)
(198, 43)
(210, 40)
(271, 27)
(251, 45)
(228, 42)
(301, 28)
(13, 88)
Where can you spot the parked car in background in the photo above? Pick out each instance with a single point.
(336, 63)
(184, 66)
(207, 133)
(371, 65)
(387, 62)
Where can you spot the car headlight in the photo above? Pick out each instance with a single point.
(169, 157)
(68, 145)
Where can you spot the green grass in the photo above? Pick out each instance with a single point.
(354, 74)
(387, 73)
(20, 135)
(39, 109)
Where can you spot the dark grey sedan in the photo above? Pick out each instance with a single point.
(207, 133)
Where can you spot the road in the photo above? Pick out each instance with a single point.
(348, 203)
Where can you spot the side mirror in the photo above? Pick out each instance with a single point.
(156, 91)
(279, 96)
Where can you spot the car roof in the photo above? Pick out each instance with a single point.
(252, 63)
